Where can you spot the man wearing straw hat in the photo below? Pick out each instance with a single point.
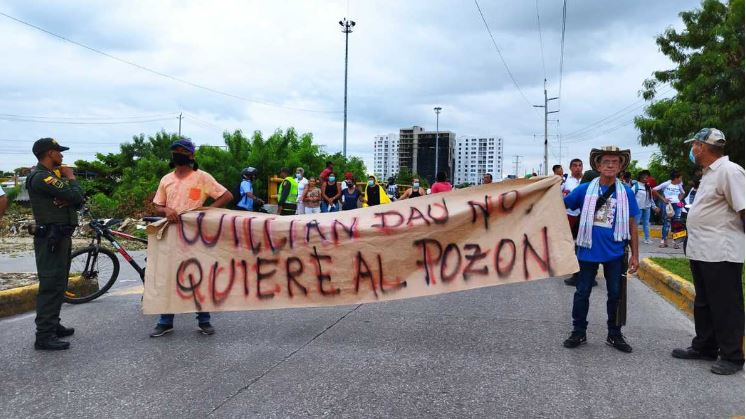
(607, 212)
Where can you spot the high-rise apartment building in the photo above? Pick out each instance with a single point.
(385, 156)
(417, 151)
(476, 156)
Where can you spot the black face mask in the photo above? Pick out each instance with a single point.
(178, 159)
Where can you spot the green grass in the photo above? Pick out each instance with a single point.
(678, 266)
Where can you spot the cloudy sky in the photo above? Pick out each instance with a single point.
(281, 64)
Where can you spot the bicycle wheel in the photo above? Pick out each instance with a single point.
(92, 272)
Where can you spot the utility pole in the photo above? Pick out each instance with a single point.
(180, 117)
(516, 161)
(546, 118)
(347, 26)
(437, 110)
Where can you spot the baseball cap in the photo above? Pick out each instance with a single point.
(186, 143)
(712, 136)
(45, 144)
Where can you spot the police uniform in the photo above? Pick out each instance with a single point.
(54, 202)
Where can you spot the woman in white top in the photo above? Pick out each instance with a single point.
(302, 182)
(673, 193)
(644, 198)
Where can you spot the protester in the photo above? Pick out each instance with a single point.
(673, 193)
(487, 179)
(55, 200)
(441, 183)
(374, 193)
(608, 209)
(415, 191)
(311, 197)
(3, 202)
(184, 189)
(287, 194)
(644, 198)
(330, 194)
(351, 195)
(348, 176)
(715, 250)
(323, 177)
(247, 200)
(627, 178)
(689, 200)
(302, 182)
(558, 171)
(392, 189)
(572, 182)
(588, 176)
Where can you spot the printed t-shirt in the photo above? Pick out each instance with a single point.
(603, 247)
(671, 191)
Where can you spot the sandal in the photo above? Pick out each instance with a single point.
(662, 245)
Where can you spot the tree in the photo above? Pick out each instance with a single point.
(125, 182)
(709, 83)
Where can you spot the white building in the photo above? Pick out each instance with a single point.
(476, 156)
(385, 156)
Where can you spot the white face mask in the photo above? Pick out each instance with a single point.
(416, 185)
(299, 176)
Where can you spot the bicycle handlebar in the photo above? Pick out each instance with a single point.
(151, 219)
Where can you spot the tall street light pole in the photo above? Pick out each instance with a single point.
(437, 110)
(347, 26)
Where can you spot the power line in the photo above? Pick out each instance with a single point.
(541, 42)
(39, 121)
(499, 53)
(633, 107)
(87, 117)
(162, 74)
(562, 51)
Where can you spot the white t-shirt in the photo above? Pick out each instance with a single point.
(567, 187)
(301, 187)
(671, 191)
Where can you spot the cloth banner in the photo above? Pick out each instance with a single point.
(222, 260)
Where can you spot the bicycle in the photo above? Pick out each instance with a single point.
(94, 269)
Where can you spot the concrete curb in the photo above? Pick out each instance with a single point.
(670, 286)
(19, 300)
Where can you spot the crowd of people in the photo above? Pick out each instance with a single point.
(604, 208)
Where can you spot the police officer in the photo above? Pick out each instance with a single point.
(55, 198)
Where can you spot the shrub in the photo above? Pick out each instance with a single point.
(101, 206)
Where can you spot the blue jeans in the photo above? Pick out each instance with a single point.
(667, 221)
(325, 207)
(583, 286)
(644, 217)
(168, 319)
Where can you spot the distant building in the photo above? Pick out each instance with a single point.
(385, 156)
(476, 156)
(417, 151)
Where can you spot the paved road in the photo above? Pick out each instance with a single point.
(494, 352)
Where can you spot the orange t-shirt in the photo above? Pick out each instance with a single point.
(189, 192)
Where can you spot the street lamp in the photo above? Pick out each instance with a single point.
(347, 26)
(437, 110)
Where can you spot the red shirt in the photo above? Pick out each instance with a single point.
(441, 187)
(325, 174)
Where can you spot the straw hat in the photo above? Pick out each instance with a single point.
(609, 150)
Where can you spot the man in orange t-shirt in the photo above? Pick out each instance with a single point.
(184, 189)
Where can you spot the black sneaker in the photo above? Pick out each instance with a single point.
(51, 344)
(161, 330)
(576, 339)
(617, 341)
(725, 367)
(63, 331)
(206, 329)
(691, 353)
